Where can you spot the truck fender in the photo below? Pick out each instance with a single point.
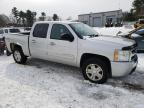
(13, 45)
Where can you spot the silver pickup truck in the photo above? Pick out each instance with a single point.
(76, 44)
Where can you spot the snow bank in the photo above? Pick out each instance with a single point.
(112, 31)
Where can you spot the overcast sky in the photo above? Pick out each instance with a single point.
(65, 8)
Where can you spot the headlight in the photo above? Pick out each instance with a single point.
(120, 55)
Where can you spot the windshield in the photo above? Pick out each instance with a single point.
(83, 30)
(14, 30)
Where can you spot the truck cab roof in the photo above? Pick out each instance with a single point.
(57, 22)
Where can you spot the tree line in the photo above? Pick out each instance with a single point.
(136, 12)
(29, 17)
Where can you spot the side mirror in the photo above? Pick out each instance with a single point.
(67, 37)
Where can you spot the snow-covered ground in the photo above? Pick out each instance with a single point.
(43, 84)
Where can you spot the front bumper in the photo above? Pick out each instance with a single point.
(120, 69)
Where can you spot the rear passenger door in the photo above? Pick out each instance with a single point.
(38, 41)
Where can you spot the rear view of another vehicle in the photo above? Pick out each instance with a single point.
(8, 31)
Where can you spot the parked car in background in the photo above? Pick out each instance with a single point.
(139, 23)
(1, 33)
(109, 23)
(76, 44)
(6, 31)
(140, 32)
(10, 31)
(137, 35)
(2, 46)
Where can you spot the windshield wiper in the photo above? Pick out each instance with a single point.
(93, 35)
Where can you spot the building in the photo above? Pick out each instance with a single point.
(100, 19)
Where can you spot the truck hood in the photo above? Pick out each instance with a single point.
(113, 40)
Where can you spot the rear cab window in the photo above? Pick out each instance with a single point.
(40, 30)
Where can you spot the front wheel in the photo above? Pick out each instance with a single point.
(95, 70)
(19, 56)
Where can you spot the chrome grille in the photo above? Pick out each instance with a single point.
(134, 58)
(133, 50)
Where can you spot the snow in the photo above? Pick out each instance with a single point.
(112, 31)
(43, 84)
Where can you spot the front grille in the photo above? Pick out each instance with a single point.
(134, 58)
(134, 46)
(133, 50)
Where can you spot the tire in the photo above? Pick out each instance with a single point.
(19, 56)
(95, 70)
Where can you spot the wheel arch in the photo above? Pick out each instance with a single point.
(14, 46)
(87, 56)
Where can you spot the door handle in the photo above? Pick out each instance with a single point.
(33, 41)
(52, 43)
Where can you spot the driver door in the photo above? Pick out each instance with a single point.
(62, 51)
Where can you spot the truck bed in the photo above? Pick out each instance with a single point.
(21, 39)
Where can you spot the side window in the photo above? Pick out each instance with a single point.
(1, 31)
(40, 30)
(58, 30)
(6, 30)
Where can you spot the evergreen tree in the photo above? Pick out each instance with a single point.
(22, 16)
(30, 18)
(43, 15)
(15, 13)
(2, 22)
(138, 5)
(55, 17)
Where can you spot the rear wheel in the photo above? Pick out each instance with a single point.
(19, 56)
(95, 70)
